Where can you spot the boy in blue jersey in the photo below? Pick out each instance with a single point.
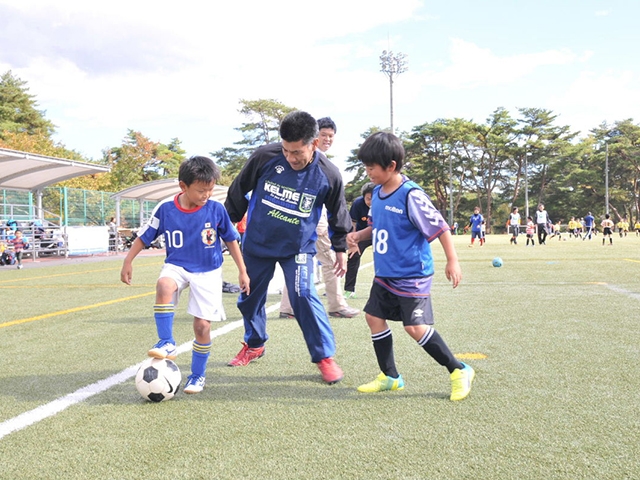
(291, 181)
(403, 223)
(193, 226)
(475, 222)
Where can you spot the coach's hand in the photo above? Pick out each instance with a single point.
(340, 267)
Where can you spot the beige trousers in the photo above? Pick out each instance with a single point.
(327, 257)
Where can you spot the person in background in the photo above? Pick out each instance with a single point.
(514, 225)
(338, 306)
(475, 223)
(607, 229)
(113, 234)
(530, 230)
(359, 214)
(542, 222)
(20, 244)
(241, 226)
(589, 223)
(557, 230)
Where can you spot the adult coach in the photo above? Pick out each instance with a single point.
(542, 222)
(589, 223)
(338, 306)
(291, 182)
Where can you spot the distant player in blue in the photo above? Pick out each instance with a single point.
(475, 222)
(291, 181)
(193, 226)
(403, 224)
(589, 223)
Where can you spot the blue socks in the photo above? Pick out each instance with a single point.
(163, 315)
(199, 357)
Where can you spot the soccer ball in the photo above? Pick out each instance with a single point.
(497, 262)
(158, 379)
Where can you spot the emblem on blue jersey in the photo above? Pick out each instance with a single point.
(208, 236)
(279, 169)
(306, 202)
(301, 258)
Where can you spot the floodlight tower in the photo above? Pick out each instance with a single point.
(392, 65)
(527, 154)
(606, 177)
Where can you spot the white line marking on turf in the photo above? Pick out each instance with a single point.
(27, 419)
(48, 410)
(622, 291)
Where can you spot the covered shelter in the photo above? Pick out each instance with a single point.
(157, 191)
(31, 172)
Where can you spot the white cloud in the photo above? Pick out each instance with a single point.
(593, 98)
(99, 68)
(473, 66)
(178, 70)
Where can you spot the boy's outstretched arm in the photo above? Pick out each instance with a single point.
(353, 238)
(126, 274)
(243, 277)
(452, 271)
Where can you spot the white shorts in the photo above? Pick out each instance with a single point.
(205, 295)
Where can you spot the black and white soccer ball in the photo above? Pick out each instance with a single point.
(158, 379)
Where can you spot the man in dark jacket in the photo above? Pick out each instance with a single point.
(289, 184)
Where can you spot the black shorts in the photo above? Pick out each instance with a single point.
(389, 306)
(607, 231)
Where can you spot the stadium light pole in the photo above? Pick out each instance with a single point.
(606, 177)
(450, 189)
(392, 65)
(526, 182)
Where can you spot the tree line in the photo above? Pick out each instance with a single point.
(495, 165)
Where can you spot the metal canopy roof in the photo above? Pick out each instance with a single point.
(156, 191)
(32, 172)
(161, 189)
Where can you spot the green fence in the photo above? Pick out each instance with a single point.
(72, 207)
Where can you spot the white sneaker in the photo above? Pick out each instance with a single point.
(194, 384)
(162, 350)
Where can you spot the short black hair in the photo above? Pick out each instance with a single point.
(367, 188)
(326, 122)
(297, 126)
(381, 148)
(198, 169)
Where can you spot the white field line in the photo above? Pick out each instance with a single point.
(27, 419)
(622, 291)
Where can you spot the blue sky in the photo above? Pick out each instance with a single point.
(178, 69)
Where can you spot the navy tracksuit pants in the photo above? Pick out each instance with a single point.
(307, 307)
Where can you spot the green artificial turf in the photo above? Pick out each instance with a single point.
(553, 336)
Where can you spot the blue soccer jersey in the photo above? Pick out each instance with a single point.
(476, 222)
(192, 237)
(404, 223)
